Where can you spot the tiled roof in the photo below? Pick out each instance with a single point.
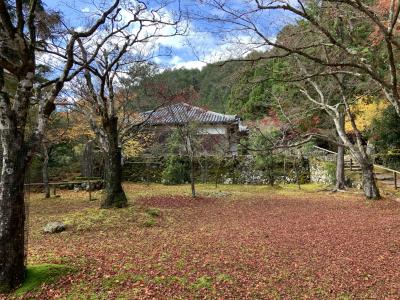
(182, 113)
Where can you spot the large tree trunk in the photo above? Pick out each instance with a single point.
(45, 172)
(12, 219)
(16, 156)
(340, 178)
(370, 188)
(190, 152)
(115, 195)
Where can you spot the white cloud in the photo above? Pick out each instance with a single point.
(192, 64)
(86, 10)
(176, 62)
(203, 47)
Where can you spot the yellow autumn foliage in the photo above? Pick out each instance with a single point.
(366, 109)
(135, 146)
(67, 127)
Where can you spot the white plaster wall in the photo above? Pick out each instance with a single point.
(212, 130)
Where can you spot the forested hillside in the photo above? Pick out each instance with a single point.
(226, 87)
(213, 83)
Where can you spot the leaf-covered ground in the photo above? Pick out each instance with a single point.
(233, 242)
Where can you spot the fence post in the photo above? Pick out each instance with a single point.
(395, 180)
(54, 190)
(351, 164)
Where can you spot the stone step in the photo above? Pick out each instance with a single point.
(384, 177)
(353, 164)
(390, 183)
(353, 169)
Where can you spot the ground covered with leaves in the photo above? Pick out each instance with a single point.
(232, 242)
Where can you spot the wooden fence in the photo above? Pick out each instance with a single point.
(55, 184)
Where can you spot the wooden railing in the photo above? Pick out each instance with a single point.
(325, 150)
(394, 172)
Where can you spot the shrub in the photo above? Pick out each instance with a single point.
(144, 169)
(269, 163)
(217, 169)
(176, 171)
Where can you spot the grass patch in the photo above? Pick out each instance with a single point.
(153, 212)
(169, 280)
(116, 280)
(231, 191)
(180, 264)
(203, 282)
(95, 217)
(150, 222)
(305, 188)
(224, 278)
(150, 215)
(37, 275)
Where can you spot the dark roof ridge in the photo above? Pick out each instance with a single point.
(175, 114)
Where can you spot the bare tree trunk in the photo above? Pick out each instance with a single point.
(340, 177)
(45, 172)
(370, 188)
(298, 161)
(192, 183)
(115, 195)
(12, 219)
(298, 176)
(358, 150)
(218, 174)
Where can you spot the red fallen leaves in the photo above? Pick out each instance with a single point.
(175, 201)
(311, 246)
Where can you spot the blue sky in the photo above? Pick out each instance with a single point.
(205, 42)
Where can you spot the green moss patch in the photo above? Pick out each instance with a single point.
(37, 275)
